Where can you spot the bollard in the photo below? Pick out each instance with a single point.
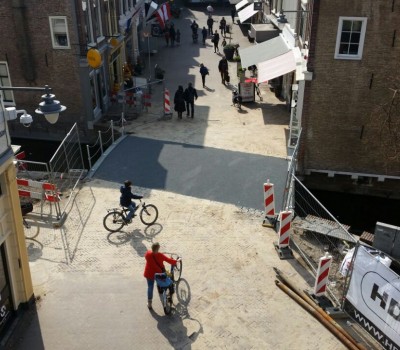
(284, 231)
(88, 154)
(101, 143)
(167, 103)
(269, 204)
(112, 130)
(321, 280)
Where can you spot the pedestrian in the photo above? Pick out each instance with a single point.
(215, 40)
(204, 32)
(166, 36)
(172, 34)
(179, 101)
(233, 13)
(190, 96)
(126, 199)
(223, 44)
(194, 27)
(223, 69)
(222, 26)
(203, 71)
(210, 23)
(178, 37)
(154, 264)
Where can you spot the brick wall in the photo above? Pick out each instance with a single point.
(58, 68)
(340, 128)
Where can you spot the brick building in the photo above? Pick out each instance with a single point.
(45, 42)
(350, 116)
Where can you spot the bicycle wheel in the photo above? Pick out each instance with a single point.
(149, 214)
(177, 271)
(113, 221)
(167, 301)
(31, 228)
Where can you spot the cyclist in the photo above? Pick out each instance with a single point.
(154, 264)
(126, 199)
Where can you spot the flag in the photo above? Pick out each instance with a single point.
(163, 14)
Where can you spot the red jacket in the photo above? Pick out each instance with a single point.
(152, 267)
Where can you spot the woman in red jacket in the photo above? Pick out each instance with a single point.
(154, 264)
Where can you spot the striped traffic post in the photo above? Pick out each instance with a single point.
(284, 232)
(167, 103)
(321, 280)
(269, 205)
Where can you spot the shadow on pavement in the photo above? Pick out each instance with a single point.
(195, 171)
(172, 327)
(28, 335)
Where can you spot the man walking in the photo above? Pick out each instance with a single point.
(222, 26)
(210, 23)
(190, 96)
(223, 69)
(215, 40)
(203, 73)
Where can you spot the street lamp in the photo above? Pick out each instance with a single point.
(49, 107)
(282, 20)
(146, 34)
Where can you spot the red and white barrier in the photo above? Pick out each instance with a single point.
(32, 185)
(269, 203)
(167, 103)
(321, 281)
(36, 184)
(285, 228)
(147, 100)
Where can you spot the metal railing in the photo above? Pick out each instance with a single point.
(104, 140)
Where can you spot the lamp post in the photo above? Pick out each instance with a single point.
(146, 34)
(282, 20)
(49, 107)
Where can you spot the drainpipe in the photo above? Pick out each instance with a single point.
(23, 40)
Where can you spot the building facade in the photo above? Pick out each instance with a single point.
(16, 292)
(46, 42)
(350, 117)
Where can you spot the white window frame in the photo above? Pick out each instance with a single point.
(362, 38)
(55, 44)
(12, 102)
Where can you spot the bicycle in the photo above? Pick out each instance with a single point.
(32, 229)
(166, 283)
(115, 219)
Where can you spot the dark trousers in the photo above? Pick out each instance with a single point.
(210, 31)
(223, 31)
(190, 107)
(204, 40)
(216, 49)
(203, 79)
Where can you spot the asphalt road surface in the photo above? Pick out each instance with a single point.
(197, 171)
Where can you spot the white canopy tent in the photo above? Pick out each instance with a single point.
(241, 3)
(273, 58)
(246, 13)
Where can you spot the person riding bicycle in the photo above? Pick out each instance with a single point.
(154, 264)
(126, 199)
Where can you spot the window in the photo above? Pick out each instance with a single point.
(6, 81)
(59, 32)
(350, 38)
(98, 27)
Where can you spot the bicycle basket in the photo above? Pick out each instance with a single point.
(26, 208)
(162, 280)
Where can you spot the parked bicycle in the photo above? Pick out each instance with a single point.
(115, 219)
(31, 227)
(166, 283)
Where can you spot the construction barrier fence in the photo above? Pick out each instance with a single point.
(67, 168)
(315, 231)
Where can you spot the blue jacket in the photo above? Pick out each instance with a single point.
(127, 196)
